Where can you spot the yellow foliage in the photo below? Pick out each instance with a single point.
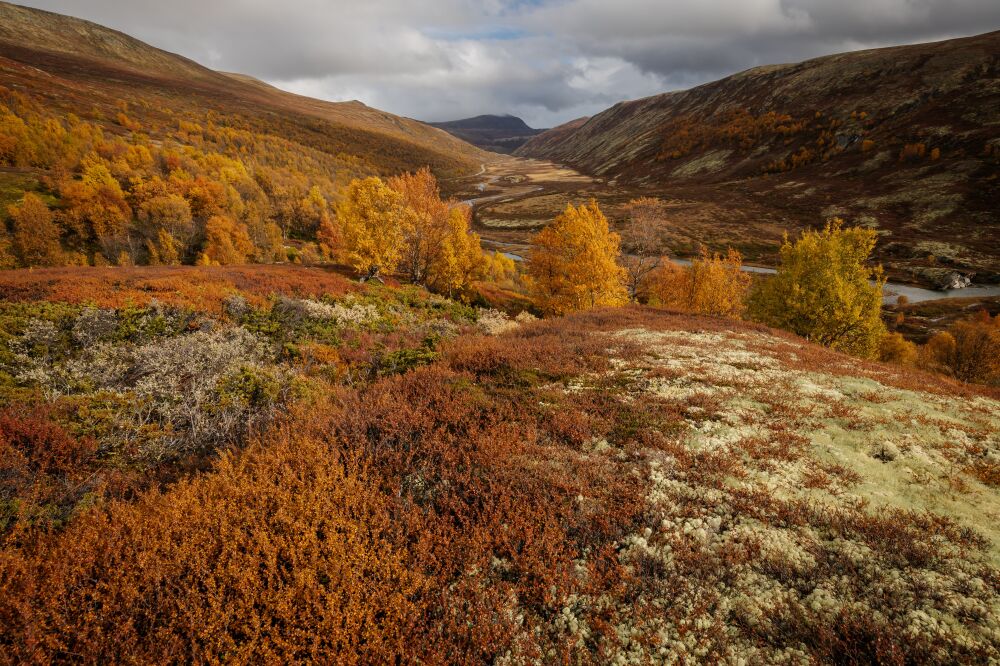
(95, 205)
(371, 217)
(824, 291)
(713, 284)
(164, 250)
(36, 236)
(226, 242)
(460, 261)
(896, 349)
(572, 264)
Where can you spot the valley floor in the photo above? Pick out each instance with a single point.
(515, 197)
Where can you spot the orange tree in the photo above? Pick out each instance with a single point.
(572, 264)
(713, 284)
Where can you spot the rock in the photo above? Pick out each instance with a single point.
(885, 451)
(944, 278)
(954, 280)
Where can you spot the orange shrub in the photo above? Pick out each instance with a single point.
(200, 288)
(713, 284)
(968, 350)
(912, 151)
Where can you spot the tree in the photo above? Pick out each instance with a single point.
(371, 217)
(572, 264)
(460, 260)
(313, 212)
(226, 242)
(641, 239)
(969, 350)
(329, 238)
(95, 208)
(163, 250)
(825, 291)
(171, 212)
(427, 223)
(713, 284)
(36, 235)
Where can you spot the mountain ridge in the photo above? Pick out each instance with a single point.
(78, 57)
(498, 133)
(914, 155)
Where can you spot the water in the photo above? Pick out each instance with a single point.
(891, 292)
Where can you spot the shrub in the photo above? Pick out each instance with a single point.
(968, 350)
(713, 284)
(894, 348)
(912, 151)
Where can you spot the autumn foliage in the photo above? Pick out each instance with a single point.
(573, 263)
(713, 284)
(825, 291)
(969, 350)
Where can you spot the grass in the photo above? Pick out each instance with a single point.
(13, 185)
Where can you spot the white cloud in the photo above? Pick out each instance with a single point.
(545, 60)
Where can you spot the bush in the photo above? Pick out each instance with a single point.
(895, 349)
(713, 284)
(968, 350)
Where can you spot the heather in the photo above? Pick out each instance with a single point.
(327, 471)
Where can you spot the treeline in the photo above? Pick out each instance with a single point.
(209, 190)
(825, 289)
(213, 194)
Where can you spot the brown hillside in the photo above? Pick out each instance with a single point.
(903, 139)
(87, 69)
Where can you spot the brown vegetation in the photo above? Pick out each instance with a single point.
(577, 489)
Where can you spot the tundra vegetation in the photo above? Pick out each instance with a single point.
(235, 463)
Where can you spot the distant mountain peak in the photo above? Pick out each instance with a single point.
(501, 133)
(487, 121)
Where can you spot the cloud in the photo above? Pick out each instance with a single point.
(545, 60)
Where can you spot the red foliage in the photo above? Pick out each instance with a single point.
(198, 287)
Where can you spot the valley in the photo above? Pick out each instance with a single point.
(514, 198)
(289, 380)
(780, 148)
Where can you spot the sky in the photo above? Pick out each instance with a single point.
(547, 61)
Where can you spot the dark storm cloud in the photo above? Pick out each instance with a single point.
(546, 60)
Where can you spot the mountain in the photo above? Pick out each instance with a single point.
(80, 67)
(902, 139)
(500, 134)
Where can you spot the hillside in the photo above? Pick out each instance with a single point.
(79, 67)
(500, 134)
(376, 474)
(902, 139)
